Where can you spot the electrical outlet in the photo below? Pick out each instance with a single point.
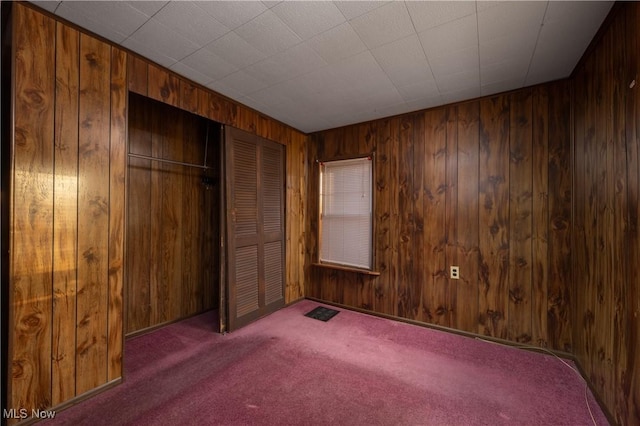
(454, 272)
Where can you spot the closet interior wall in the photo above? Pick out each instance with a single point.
(172, 215)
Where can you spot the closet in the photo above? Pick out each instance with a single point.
(205, 220)
(173, 215)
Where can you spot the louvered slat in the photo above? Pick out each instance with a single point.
(272, 188)
(246, 188)
(246, 280)
(273, 272)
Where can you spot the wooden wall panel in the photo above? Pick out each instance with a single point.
(467, 216)
(66, 215)
(163, 85)
(540, 216)
(117, 212)
(520, 219)
(463, 185)
(434, 163)
(493, 187)
(93, 223)
(139, 204)
(31, 229)
(604, 321)
(67, 212)
(451, 209)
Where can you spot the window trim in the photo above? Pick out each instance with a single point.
(338, 266)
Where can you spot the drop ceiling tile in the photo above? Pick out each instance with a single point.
(148, 52)
(385, 95)
(337, 43)
(87, 16)
(147, 7)
(232, 14)
(517, 18)
(188, 20)
(225, 90)
(190, 73)
(270, 96)
(268, 34)
(563, 38)
(459, 35)
(383, 25)
(430, 14)
(425, 103)
(459, 81)
(159, 37)
(418, 90)
(209, 64)
(353, 9)
(403, 61)
(119, 17)
(295, 61)
(455, 62)
(504, 48)
(461, 95)
(241, 83)
(359, 76)
(235, 50)
(499, 87)
(309, 18)
(513, 69)
(271, 4)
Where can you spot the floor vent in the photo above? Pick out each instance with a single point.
(321, 313)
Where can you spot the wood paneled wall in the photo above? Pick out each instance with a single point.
(149, 80)
(173, 219)
(606, 245)
(68, 202)
(485, 185)
(66, 213)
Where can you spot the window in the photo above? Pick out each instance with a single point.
(346, 213)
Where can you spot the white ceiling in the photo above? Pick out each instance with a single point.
(321, 64)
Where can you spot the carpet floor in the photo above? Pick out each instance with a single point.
(355, 369)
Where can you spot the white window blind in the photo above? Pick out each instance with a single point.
(346, 212)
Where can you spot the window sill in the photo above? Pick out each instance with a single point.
(347, 268)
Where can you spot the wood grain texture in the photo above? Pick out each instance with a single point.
(139, 224)
(163, 85)
(493, 221)
(451, 209)
(604, 319)
(138, 75)
(467, 216)
(172, 216)
(93, 220)
(540, 214)
(117, 212)
(296, 169)
(434, 164)
(65, 255)
(72, 116)
(445, 175)
(559, 218)
(31, 225)
(520, 217)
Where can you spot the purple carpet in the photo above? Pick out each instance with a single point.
(355, 369)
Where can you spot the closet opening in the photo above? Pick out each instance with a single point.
(173, 216)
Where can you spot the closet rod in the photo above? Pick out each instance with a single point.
(161, 160)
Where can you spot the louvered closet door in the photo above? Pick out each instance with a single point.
(255, 226)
